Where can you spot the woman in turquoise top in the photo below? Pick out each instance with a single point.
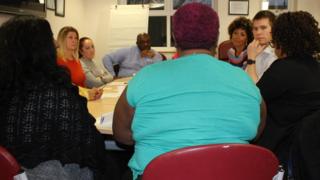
(194, 100)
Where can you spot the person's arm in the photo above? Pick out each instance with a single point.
(157, 56)
(106, 77)
(122, 120)
(90, 94)
(263, 116)
(107, 63)
(114, 58)
(91, 80)
(253, 50)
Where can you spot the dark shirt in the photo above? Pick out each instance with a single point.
(45, 122)
(291, 90)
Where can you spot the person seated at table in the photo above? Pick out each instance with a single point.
(132, 59)
(162, 110)
(240, 32)
(262, 55)
(95, 76)
(291, 89)
(68, 38)
(44, 121)
(67, 50)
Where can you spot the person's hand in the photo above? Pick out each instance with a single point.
(147, 53)
(95, 93)
(254, 49)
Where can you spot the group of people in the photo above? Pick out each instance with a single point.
(274, 101)
(78, 57)
(45, 122)
(243, 32)
(196, 99)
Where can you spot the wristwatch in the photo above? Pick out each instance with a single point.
(250, 61)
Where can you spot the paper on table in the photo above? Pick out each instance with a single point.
(114, 94)
(105, 120)
(120, 89)
(117, 83)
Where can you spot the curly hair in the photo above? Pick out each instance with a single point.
(297, 34)
(196, 26)
(28, 55)
(241, 23)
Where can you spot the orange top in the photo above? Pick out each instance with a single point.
(76, 72)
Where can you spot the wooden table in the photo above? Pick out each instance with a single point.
(107, 103)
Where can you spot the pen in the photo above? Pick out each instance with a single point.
(101, 120)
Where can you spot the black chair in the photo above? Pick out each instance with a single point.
(116, 68)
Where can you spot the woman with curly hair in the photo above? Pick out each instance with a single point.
(157, 114)
(240, 32)
(291, 89)
(44, 121)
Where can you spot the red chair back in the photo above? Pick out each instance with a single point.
(223, 49)
(214, 162)
(9, 167)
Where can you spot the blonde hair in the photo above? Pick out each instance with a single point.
(61, 41)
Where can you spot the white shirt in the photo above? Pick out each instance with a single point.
(264, 60)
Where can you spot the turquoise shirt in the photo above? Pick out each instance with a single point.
(193, 100)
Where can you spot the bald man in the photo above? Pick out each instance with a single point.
(132, 59)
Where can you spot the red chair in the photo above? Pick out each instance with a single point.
(9, 167)
(223, 49)
(214, 162)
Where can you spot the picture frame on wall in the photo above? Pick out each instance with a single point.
(50, 4)
(238, 7)
(60, 8)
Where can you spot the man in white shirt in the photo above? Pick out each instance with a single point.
(260, 54)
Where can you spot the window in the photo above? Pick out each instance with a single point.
(160, 16)
(279, 6)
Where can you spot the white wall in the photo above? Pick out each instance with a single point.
(73, 17)
(225, 19)
(91, 18)
(312, 6)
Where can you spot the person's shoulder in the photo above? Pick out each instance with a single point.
(120, 50)
(130, 48)
(60, 61)
(283, 67)
(269, 54)
(53, 87)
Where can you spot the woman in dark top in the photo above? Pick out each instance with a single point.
(291, 88)
(42, 115)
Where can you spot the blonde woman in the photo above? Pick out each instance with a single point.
(68, 39)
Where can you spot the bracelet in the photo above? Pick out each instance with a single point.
(250, 61)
